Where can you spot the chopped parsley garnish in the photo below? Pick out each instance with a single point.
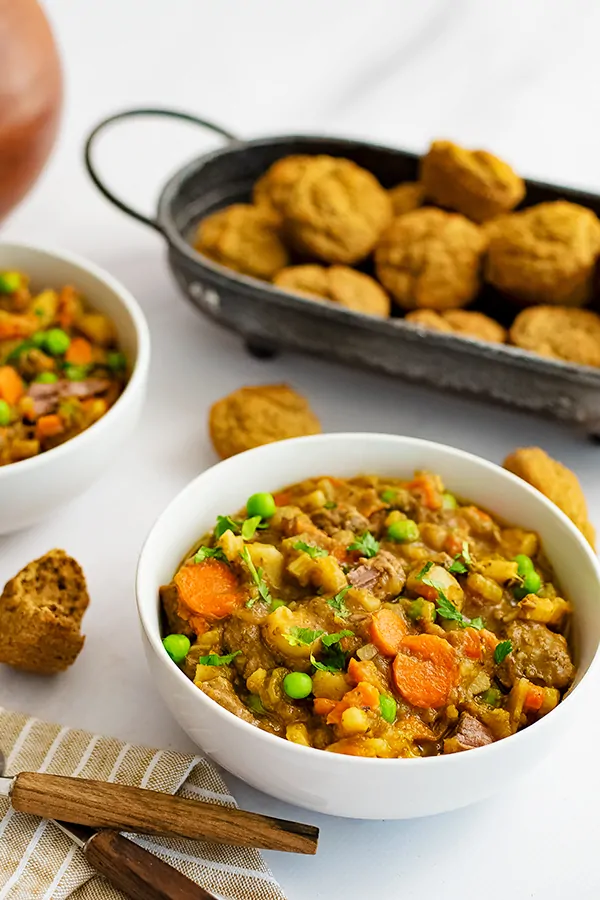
(502, 650)
(426, 568)
(313, 552)
(458, 567)
(338, 604)
(365, 544)
(213, 659)
(328, 640)
(257, 578)
(255, 703)
(301, 637)
(447, 610)
(249, 527)
(334, 658)
(226, 523)
(209, 553)
(331, 504)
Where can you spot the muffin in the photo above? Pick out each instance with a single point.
(339, 284)
(244, 238)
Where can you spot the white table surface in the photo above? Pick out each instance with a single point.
(519, 78)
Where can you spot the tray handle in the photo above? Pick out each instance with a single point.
(129, 114)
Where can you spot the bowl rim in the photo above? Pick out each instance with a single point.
(138, 374)
(147, 607)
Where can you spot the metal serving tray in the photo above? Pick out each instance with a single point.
(270, 319)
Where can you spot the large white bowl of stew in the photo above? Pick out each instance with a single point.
(387, 628)
(74, 356)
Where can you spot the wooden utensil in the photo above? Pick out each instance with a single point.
(137, 873)
(98, 804)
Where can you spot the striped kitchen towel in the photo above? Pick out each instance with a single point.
(38, 862)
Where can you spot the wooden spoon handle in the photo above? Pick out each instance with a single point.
(137, 873)
(102, 805)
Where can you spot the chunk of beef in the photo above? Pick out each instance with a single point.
(472, 733)
(342, 517)
(246, 637)
(222, 692)
(384, 575)
(363, 576)
(539, 655)
(170, 604)
(88, 388)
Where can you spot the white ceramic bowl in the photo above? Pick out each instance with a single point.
(346, 785)
(34, 488)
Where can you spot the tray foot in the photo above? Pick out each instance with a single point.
(594, 437)
(261, 349)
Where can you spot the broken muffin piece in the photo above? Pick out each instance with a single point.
(41, 609)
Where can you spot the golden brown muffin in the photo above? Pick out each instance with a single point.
(406, 196)
(339, 284)
(272, 190)
(244, 238)
(336, 211)
(559, 484)
(545, 254)
(431, 259)
(461, 322)
(41, 609)
(472, 182)
(572, 335)
(252, 416)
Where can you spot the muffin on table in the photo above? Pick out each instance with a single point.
(252, 416)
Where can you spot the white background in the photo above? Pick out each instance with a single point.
(519, 78)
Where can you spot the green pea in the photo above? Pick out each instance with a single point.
(115, 360)
(297, 685)
(415, 609)
(403, 532)
(492, 697)
(524, 563)
(77, 373)
(38, 339)
(5, 413)
(9, 282)
(177, 646)
(449, 501)
(531, 580)
(262, 505)
(57, 341)
(388, 496)
(387, 707)
(46, 378)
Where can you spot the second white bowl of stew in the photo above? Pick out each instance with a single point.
(368, 625)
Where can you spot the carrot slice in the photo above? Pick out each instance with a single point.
(282, 498)
(363, 696)
(69, 306)
(533, 698)
(453, 544)
(209, 589)
(13, 325)
(49, 426)
(425, 670)
(388, 629)
(489, 639)
(11, 385)
(468, 642)
(79, 352)
(430, 495)
(365, 670)
(322, 706)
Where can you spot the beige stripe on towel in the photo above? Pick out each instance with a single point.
(38, 862)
